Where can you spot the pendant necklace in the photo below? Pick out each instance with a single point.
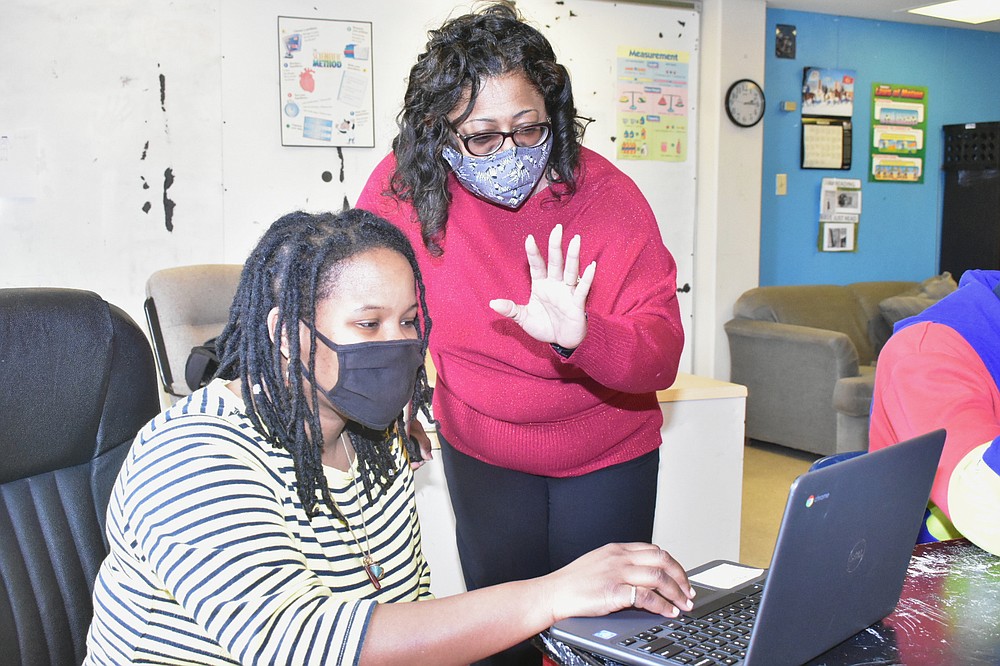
(374, 570)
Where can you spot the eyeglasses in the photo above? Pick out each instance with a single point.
(484, 144)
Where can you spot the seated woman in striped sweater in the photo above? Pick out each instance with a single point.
(270, 516)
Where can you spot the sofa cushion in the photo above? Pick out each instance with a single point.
(900, 307)
(824, 306)
(915, 301)
(938, 286)
(870, 294)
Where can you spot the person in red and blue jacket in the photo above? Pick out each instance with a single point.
(941, 369)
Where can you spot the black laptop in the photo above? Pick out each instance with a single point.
(838, 567)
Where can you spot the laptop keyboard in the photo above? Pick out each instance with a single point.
(716, 635)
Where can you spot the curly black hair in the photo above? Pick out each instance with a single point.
(295, 265)
(459, 56)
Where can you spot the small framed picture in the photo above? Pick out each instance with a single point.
(784, 41)
(838, 236)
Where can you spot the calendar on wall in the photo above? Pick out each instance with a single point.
(826, 143)
(827, 107)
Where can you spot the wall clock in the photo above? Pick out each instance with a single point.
(745, 103)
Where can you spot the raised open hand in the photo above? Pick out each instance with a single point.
(555, 311)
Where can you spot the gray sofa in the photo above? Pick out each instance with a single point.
(807, 356)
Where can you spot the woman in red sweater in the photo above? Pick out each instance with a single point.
(547, 369)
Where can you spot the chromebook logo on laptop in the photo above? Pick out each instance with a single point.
(812, 499)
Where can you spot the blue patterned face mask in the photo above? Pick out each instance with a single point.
(507, 178)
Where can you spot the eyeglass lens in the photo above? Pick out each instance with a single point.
(487, 143)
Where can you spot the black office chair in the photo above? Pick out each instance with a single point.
(77, 382)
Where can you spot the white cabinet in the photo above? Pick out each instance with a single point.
(700, 490)
(698, 496)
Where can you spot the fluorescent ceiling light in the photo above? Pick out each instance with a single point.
(966, 11)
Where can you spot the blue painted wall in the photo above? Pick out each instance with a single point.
(899, 232)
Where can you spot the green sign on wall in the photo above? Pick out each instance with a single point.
(899, 132)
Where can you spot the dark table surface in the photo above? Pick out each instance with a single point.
(948, 614)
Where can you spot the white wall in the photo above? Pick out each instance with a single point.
(264, 179)
(82, 78)
(727, 245)
(82, 83)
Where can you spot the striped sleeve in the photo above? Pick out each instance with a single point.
(229, 558)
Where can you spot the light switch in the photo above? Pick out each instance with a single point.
(781, 184)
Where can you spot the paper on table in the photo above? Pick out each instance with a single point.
(725, 576)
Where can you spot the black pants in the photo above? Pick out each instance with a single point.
(512, 526)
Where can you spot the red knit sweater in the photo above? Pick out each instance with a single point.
(509, 400)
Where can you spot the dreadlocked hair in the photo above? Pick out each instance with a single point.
(296, 265)
(458, 57)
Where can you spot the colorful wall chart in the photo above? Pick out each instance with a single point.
(899, 125)
(325, 82)
(652, 104)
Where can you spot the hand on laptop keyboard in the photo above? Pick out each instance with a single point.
(618, 576)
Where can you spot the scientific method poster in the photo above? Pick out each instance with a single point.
(325, 82)
(652, 104)
(899, 126)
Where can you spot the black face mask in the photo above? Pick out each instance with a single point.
(375, 380)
